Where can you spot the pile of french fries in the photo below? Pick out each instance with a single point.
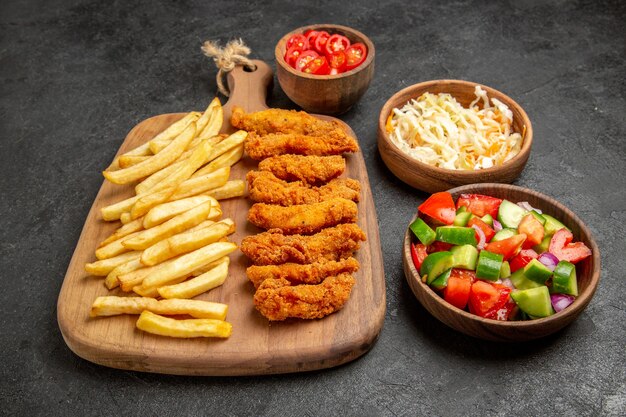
(173, 243)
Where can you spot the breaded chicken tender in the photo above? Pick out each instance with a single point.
(310, 169)
(261, 147)
(303, 218)
(264, 187)
(301, 274)
(273, 247)
(277, 300)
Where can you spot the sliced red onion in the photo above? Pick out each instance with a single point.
(549, 260)
(497, 226)
(508, 283)
(561, 301)
(482, 239)
(526, 206)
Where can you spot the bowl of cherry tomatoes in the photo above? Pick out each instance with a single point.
(325, 68)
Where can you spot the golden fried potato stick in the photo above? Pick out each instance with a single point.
(198, 285)
(209, 266)
(164, 326)
(103, 267)
(154, 179)
(186, 264)
(166, 211)
(174, 130)
(155, 163)
(149, 200)
(114, 248)
(113, 306)
(184, 221)
(186, 242)
(126, 161)
(201, 185)
(111, 280)
(208, 116)
(125, 217)
(227, 159)
(234, 188)
(124, 230)
(114, 211)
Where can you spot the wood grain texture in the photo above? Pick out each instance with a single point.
(588, 273)
(432, 179)
(256, 345)
(326, 94)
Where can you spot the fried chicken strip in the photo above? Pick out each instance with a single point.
(261, 147)
(277, 300)
(264, 187)
(303, 218)
(310, 169)
(273, 247)
(313, 273)
(284, 121)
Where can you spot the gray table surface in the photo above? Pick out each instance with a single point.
(75, 76)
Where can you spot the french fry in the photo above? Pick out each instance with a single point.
(126, 161)
(114, 248)
(113, 306)
(227, 144)
(227, 159)
(235, 188)
(186, 242)
(202, 225)
(186, 264)
(125, 217)
(111, 280)
(114, 211)
(174, 130)
(165, 326)
(198, 285)
(166, 211)
(175, 225)
(213, 140)
(125, 230)
(103, 267)
(200, 185)
(154, 179)
(156, 162)
(154, 291)
(209, 266)
(151, 199)
(208, 113)
(214, 124)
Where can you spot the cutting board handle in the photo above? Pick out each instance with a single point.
(248, 89)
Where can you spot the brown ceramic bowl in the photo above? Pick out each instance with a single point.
(588, 273)
(326, 94)
(432, 179)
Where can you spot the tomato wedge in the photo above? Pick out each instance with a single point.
(439, 207)
(317, 66)
(336, 43)
(488, 231)
(320, 41)
(479, 204)
(438, 246)
(522, 259)
(355, 54)
(337, 60)
(533, 229)
(508, 248)
(304, 58)
(457, 292)
(418, 254)
(561, 247)
(292, 56)
(486, 299)
(299, 41)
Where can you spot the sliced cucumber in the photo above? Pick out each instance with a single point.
(552, 225)
(465, 256)
(503, 234)
(510, 214)
(435, 264)
(534, 302)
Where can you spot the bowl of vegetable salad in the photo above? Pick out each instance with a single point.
(444, 133)
(500, 262)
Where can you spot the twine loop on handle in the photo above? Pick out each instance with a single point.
(227, 58)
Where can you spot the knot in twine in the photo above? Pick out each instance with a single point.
(227, 58)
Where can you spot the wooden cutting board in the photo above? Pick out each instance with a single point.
(256, 345)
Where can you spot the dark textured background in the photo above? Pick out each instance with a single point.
(76, 76)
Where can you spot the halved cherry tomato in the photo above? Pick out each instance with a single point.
(457, 292)
(439, 207)
(310, 36)
(479, 204)
(561, 247)
(486, 299)
(522, 259)
(533, 229)
(336, 43)
(292, 56)
(438, 246)
(488, 231)
(508, 248)
(304, 58)
(317, 66)
(299, 41)
(320, 41)
(418, 254)
(337, 60)
(355, 54)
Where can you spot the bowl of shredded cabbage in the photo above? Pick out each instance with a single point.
(444, 133)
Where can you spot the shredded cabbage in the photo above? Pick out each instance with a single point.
(437, 130)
